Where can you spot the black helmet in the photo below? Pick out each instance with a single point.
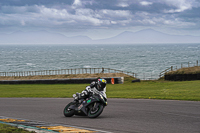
(101, 84)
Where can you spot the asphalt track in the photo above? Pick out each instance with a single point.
(120, 116)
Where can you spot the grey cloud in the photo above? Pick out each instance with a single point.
(18, 9)
(77, 15)
(35, 2)
(192, 13)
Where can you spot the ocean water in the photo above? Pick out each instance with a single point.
(142, 59)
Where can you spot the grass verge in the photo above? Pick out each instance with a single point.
(186, 70)
(11, 129)
(179, 90)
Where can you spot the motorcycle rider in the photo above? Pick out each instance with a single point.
(99, 86)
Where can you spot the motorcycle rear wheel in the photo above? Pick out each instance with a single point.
(93, 113)
(68, 112)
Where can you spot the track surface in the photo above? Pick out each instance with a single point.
(120, 116)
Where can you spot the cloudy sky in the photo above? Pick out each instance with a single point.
(100, 18)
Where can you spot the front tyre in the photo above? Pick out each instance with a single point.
(68, 112)
(95, 112)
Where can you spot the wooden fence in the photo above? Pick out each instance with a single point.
(64, 72)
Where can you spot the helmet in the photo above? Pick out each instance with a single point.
(101, 84)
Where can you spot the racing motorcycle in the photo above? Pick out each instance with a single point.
(91, 107)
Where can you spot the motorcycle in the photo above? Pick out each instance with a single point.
(91, 107)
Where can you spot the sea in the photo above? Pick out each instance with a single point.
(145, 60)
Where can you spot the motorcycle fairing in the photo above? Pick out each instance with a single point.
(89, 102)
(82, 108)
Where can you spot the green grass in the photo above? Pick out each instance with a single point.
(40, 90)
(187, 90)
(11, 129)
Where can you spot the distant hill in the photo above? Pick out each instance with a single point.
(41, 37)
(150, 36)
(127, 37)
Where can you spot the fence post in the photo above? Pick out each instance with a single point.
(197, 62)
(102, 70)
(171, 68)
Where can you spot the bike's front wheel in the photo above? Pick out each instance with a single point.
(68, 112)
(95, 111)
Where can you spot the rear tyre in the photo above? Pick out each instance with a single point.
(68, 112)
(95, 112)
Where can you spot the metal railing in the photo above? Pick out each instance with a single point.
(173, 68)
(147, 76)
(142, 76)
(64, 72)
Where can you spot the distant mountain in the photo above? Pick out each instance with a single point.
(127, 37)
(41, 37)
(149, 36)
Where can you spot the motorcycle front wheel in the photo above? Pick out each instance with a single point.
(95, 112)
(68, 112)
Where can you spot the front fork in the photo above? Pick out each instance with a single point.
(95, 106)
